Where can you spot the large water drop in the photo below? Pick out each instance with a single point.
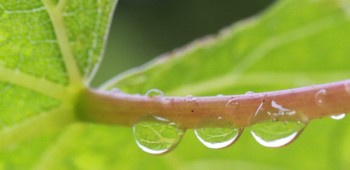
(276, 133)
(156, 135)
(338, 117)
(217, 137)
(276, 125)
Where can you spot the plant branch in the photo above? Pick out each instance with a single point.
(307, 103)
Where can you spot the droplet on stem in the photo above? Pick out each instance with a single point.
(249, 93)
(115, 90)
(320, 96)
(191, 99)
(218, 137)
(156, 135)
(232, 103)
(281, 110)
(338, 117)
(274, 132)
(154, 93)
(347, 86)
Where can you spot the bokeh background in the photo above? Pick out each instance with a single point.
(144, 29)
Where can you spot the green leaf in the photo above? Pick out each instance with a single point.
(48, 50)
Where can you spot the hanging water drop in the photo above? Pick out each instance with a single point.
(338, 117)
(217, 137)
(278, 130)
(154, 93)
(232, 103)
(156, 135)
(320, 96)
(276, 133)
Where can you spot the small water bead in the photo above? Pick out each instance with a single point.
(156, 135)
(154, 93)
(276, 133)
(347, 86)
(249, 93)
(217, 137)
(191, 99)
(232, 103)
(281, 110)
(320, 96)
(338, 117)
(115, 90)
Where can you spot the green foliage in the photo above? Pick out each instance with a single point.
(50, 48)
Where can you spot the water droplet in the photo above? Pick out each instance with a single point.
(154, 93)
(217, 137)
(249, 93)
(320, 96)
(232, 103)
(276, 133)
(278, 130)
(190, 98)
(281, 110)
(338, 117)
(115, 90)
(347, 86)
(156, 135)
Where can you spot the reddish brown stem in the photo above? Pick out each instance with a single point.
(310, 103)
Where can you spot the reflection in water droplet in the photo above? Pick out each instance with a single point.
(154, 93)
(233, 103)
(347, 86)
(338, 117)
(276, 133)
(217, 137)
(320, 96)
(156, 135)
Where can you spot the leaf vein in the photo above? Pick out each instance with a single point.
(39, 85)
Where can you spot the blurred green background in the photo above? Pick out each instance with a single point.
(144, 29)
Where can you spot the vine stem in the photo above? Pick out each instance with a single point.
(307, 103)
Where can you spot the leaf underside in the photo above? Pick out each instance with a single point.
(49, 47)
(48, 50)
